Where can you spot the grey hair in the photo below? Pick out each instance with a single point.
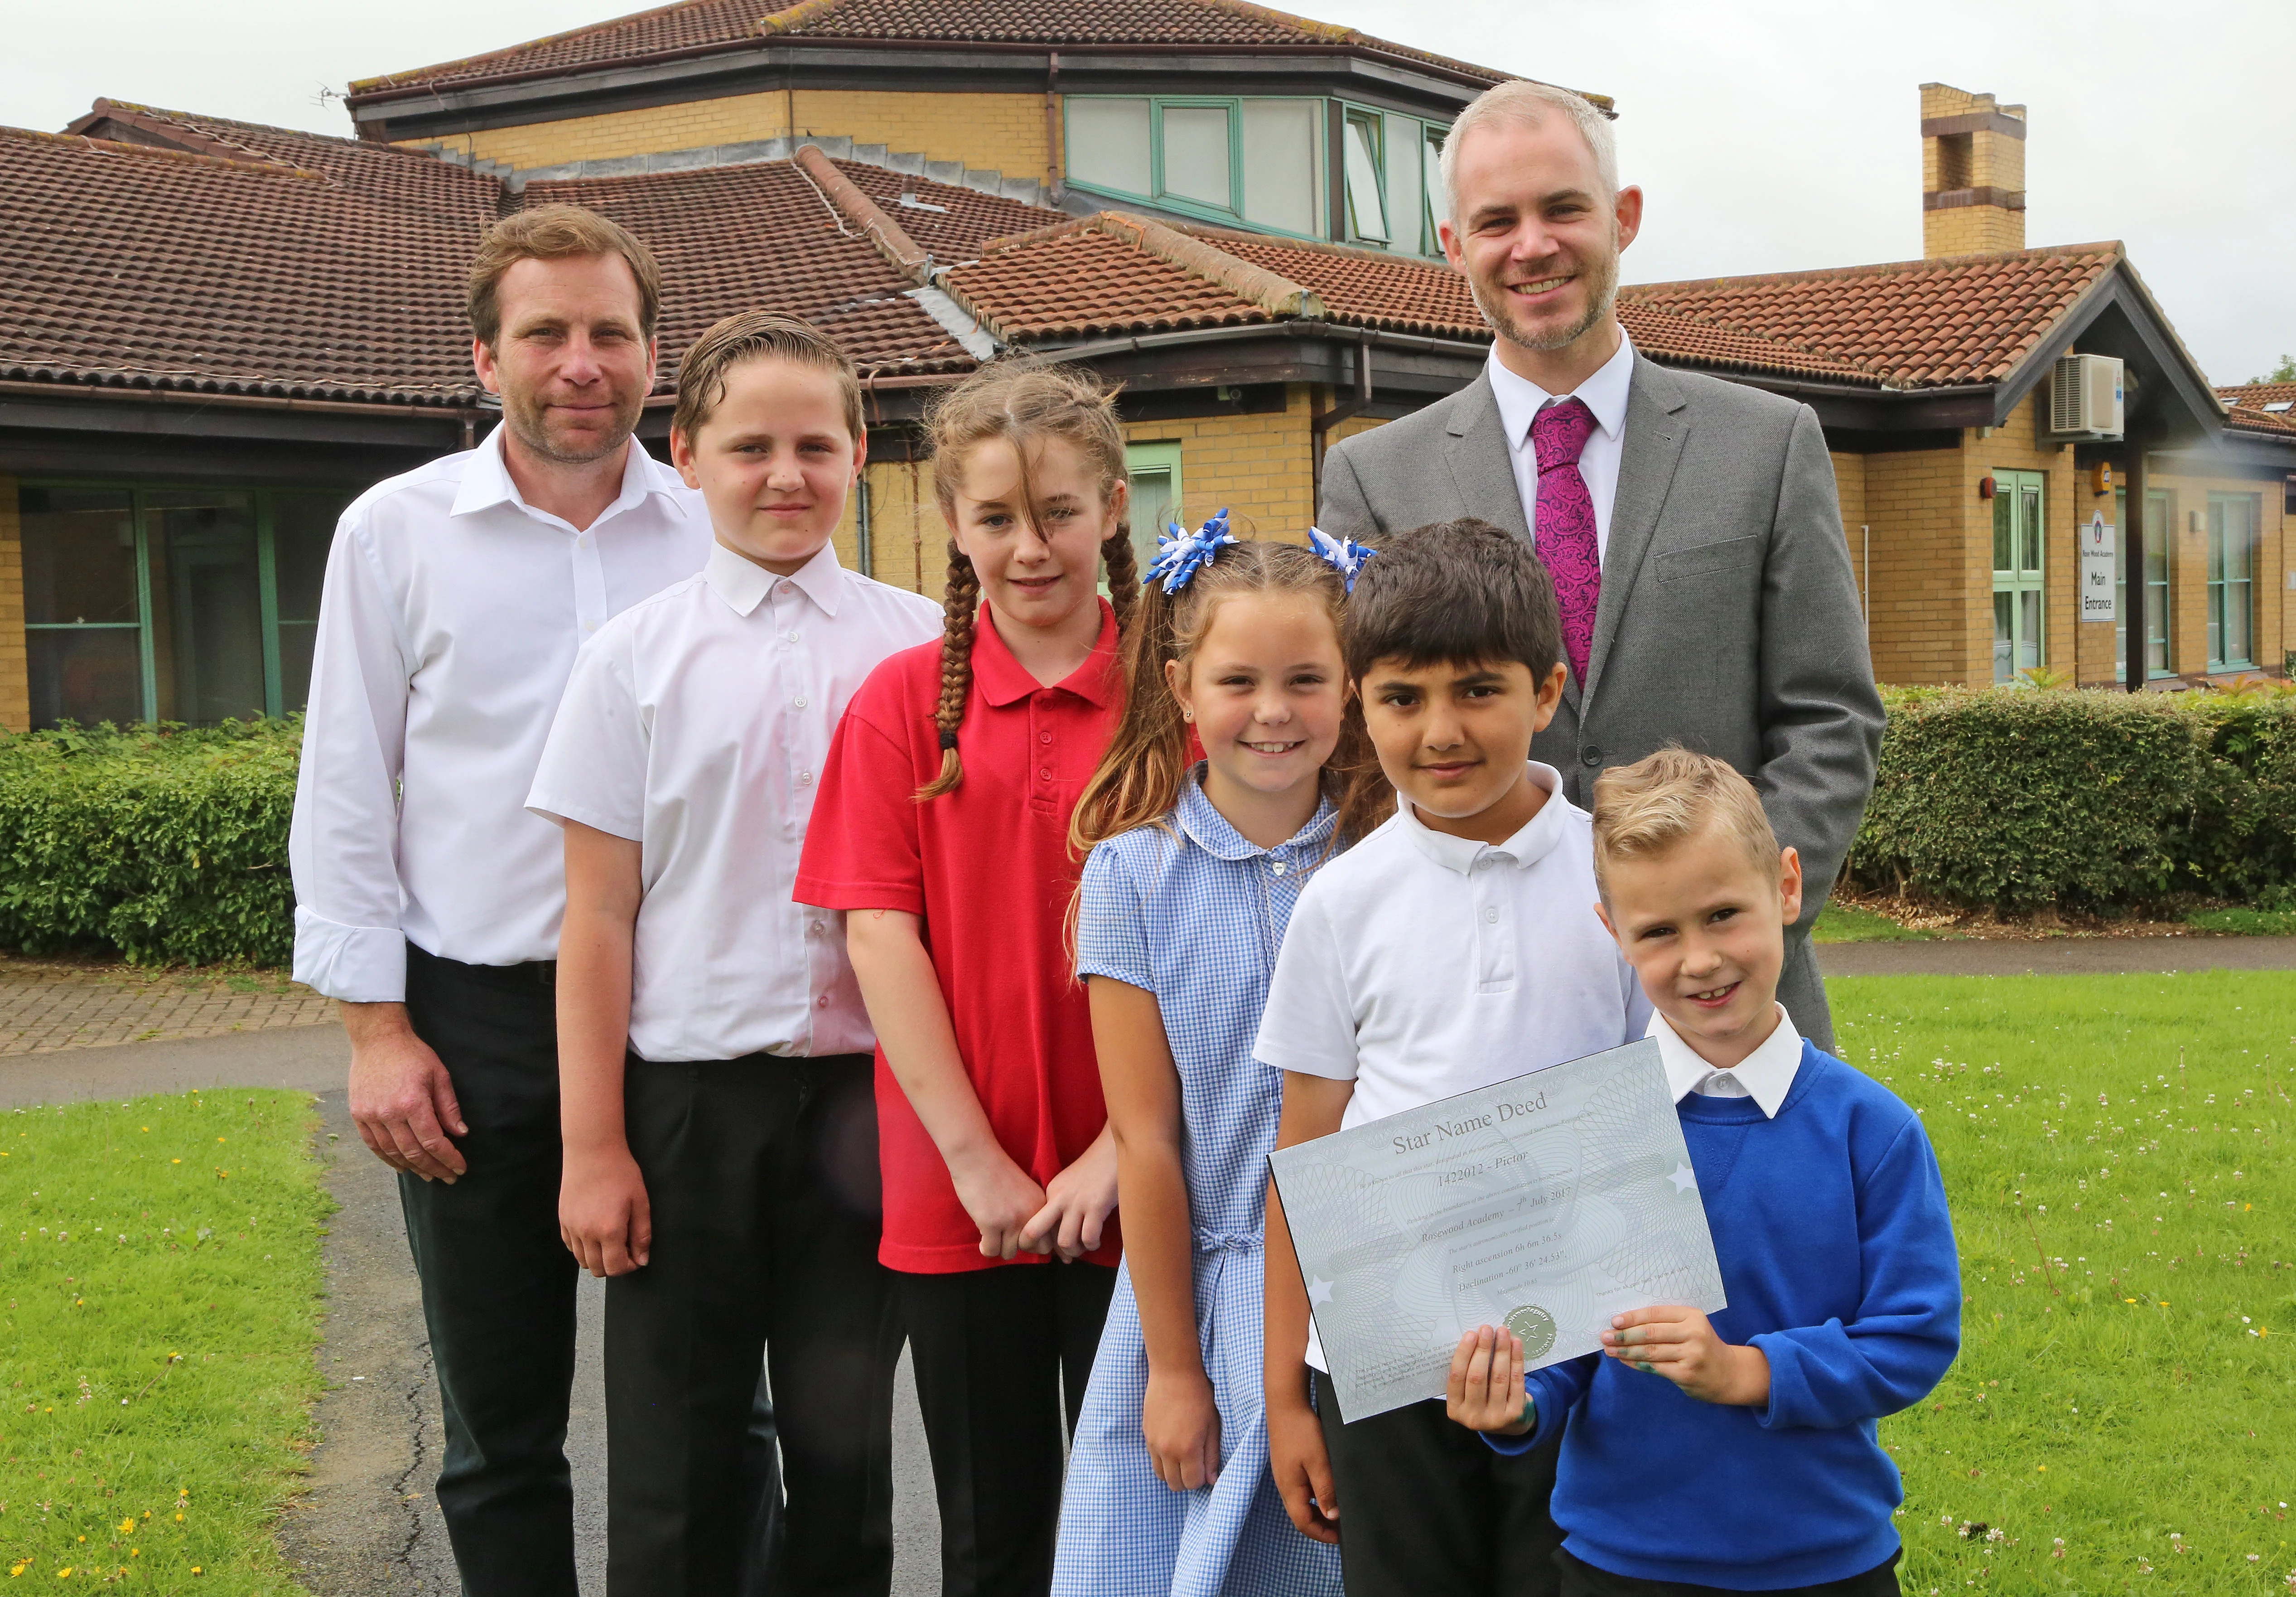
(1523, 101)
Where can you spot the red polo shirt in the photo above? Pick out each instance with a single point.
(988, 869)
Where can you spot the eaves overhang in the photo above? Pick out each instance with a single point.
(2171, 399)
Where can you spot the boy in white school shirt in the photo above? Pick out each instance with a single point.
(1456, 946)
(721, 1166)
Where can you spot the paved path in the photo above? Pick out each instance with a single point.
(2056, 956)
(46, 1005)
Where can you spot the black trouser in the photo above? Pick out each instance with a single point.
(1426, 1506)
(1583, 1579)
(996, 1352)
(498, 1284)
(761, 1175)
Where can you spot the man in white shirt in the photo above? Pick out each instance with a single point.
(428, 899)
(1690, 524)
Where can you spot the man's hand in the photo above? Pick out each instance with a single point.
(604, 1214)
(1180, 1422)
(1000, 1198)
(1485, 1391)
(1680, 1345)
(1302, 1467)
(401, 1096)
(1078, 1203)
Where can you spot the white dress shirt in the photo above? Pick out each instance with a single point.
(450, 619)
(1765, 1075)
(1520, 400)
(696, 724)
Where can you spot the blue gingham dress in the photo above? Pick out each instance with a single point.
(1194, 914)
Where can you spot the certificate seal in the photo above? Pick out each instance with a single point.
(1535, 1326)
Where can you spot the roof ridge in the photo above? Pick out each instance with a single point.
(1815, 274)
(1206, 230)
(796, 16)
(414, 76)
(1258, 286)
(844, 197)
(268, 166)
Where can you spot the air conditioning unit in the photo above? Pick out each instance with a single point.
(2085, 399)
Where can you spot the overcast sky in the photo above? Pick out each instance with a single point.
(1770, 134)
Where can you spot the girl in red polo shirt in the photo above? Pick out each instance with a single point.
(942, 830)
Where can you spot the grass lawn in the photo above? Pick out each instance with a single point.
(162, 1293)
(1847, 923)
(2246, 923)
(2123, 1207)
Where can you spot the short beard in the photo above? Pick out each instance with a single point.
(1601, 281)
(524, 418)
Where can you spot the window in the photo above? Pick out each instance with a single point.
(1108, 145)
(1154, 470)
(1360, 152)
(1197, 155)
(1438, 203)
(2157, 566)
(2232, 580)
(1406, 179)
(158, 603)
(1283, 168)
(2017, 593)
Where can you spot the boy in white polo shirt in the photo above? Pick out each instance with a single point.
(1456, 946)
(726, 1181)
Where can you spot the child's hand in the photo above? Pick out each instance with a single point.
(999, 1198)
(1302, 1467)
(1181, 1424)
(1078, 1203)
(1680, 1345)
(1486, 1391)
(604, 1215)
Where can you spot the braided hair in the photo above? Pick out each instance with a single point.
(1023, 402)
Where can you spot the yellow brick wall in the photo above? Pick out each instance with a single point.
(908, 541)
(1849, 488)
(15, 680)
(1928, 589)
(1001, 133)
(1259, 466)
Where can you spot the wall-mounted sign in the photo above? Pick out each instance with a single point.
(2099, 585)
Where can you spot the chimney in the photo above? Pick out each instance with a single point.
(1972, 173)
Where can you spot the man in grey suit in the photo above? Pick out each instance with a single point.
(1690, 524)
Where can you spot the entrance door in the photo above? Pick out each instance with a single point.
(2017, 585)
(205, 561)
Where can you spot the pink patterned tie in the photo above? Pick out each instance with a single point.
(1565, 532)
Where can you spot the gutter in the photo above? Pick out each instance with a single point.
(1331, 331)
(413, 409)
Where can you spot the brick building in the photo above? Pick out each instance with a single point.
(220, 333)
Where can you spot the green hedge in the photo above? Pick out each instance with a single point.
(168, 845)
(2017, 797)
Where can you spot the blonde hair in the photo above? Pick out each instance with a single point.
(1659, 802)
(555, 233)
(757, 335)
(1024, 403)
(1140, 778)
(1526, 104)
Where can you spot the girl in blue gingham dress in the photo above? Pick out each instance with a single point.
(1193, 873)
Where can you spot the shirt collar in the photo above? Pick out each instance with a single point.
(1767, 1074)
(1003, 680)
(1212, 832)
(487, 481)
(1519, 400)
(1527, 846)
(742, 583)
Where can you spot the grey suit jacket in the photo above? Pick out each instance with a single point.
(1729, 620)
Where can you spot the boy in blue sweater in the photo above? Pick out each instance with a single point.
(1738, 1452)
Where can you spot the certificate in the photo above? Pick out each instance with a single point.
(1546, 1204)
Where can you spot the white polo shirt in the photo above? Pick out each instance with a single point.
(1420, 965)
(695, 724)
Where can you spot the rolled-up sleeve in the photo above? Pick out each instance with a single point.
(344, 846)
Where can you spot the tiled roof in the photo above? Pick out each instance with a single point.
(702, 24)
(952, 223)
(1365, 288)
(1073, 282)
(2249, 401)
(1915, 324)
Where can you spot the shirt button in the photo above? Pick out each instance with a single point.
(789, 637)
(1491, 916)
(1043, 738)
(1045, 774)
(805, 778)
(799, 701)
(1276, 866)
(821, 1002)
(582, 542)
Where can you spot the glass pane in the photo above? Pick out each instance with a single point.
(2156, 626)
(2239, 606)
(1406, 168)
(2029, 529)
(1367, 212)
(1152, 507)
(302, 528)
(206, 604)
(2216, 541)
(1281, 186)
(2216, 624)
(79, 555)
(1438, 205)
(1195, 154)
(86, 674)
(1108, 144)
(2156, 538)
(2004, 640)
(2240, 537)
(2029, 630)
(2004, 521)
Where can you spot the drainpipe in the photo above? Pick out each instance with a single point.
(861, 554)
(1055, 169)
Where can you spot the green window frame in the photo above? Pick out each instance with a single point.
(1153, 470)
(225, 610)
(2233, 518)
(2020, 565)
(1390, 165)
(2159, 614)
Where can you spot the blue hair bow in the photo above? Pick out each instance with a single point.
(1181, 553)
(1343, 555)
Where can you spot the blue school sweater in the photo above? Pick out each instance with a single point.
(1830, 1227)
